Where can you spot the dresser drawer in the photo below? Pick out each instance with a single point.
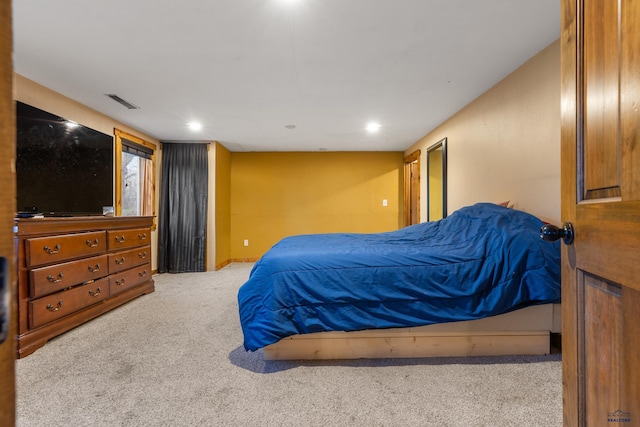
(127, 259)
(46, 280)
(52, 307)
(51, 249)
(123, 239)
(124, 280)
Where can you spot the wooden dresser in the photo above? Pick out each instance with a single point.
(73, 269)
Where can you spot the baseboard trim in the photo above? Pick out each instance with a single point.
(229, 261)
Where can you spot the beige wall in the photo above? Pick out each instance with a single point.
(505, 145)
(222, 209)
(279, 194)
(34, 94)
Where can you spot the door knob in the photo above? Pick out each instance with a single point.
(551, 233)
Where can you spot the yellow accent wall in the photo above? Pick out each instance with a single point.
(278, 194)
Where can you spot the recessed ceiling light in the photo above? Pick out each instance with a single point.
(373, 127)
(195, 126)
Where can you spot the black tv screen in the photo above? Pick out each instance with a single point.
(62, 168)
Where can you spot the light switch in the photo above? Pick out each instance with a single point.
(384, 202)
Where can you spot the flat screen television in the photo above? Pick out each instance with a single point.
(62, 168)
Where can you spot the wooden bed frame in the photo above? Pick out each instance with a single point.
(522, 332)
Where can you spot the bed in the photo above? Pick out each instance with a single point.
(480, 281)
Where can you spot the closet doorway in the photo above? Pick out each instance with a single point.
(412, 188)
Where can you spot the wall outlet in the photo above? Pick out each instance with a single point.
(246, 242)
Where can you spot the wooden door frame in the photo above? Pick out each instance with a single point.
(411, 198)
(569, 125)
(7, 213)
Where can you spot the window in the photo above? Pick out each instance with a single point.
(135, 176)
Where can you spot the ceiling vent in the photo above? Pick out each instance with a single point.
(119, 100)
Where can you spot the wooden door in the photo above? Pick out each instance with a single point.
(7, 212)
(600, 104)
(412, 188)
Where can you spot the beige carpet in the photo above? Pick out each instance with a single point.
(175, 358)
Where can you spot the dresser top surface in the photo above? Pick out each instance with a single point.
(54, 225)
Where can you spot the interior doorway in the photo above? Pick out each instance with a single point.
(412, 189)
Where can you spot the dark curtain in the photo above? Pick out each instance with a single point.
(182, 223)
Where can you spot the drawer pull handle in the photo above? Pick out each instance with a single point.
(119, 239)
(53, 251)
(142, 255)
(120, 282)
(142, 236)
(92, 244)
(52, 308)
(53, 279)
(94, 269)
(95, 293)
(142, 273)
(119, 261)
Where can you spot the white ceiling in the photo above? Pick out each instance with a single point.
(248, 68)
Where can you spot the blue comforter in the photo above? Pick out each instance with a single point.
(480, 261)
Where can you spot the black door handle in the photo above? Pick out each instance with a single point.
(551, 233)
